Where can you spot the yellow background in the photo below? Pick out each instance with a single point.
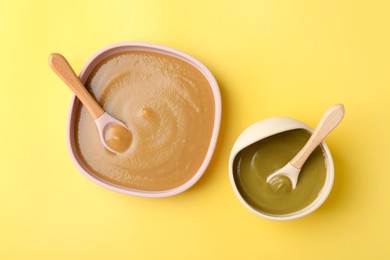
(271, 58)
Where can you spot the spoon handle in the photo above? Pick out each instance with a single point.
(329, 121)
(63, 69)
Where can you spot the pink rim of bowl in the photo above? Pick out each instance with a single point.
(75, 103)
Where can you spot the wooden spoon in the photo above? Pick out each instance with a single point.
(103, 121)
(291, 170)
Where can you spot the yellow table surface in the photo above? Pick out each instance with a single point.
(270, 58)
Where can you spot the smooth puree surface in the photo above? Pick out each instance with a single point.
(168, 106)
(255, 163)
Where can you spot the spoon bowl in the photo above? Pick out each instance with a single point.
(106, 122)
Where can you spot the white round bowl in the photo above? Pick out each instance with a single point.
(264, 129)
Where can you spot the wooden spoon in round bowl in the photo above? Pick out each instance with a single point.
(290, 172)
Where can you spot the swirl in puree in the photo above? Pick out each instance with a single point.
(168, 106)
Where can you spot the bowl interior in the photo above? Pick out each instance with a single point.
(75, 103)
